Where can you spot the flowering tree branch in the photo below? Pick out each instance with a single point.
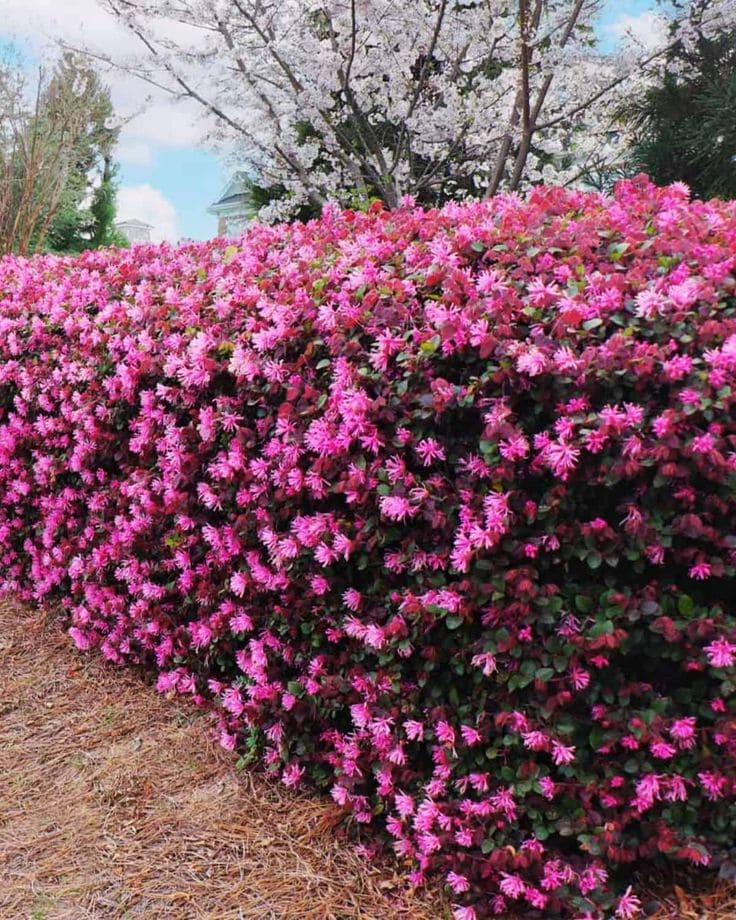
(433, 99)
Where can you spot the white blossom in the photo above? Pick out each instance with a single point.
(432, 98)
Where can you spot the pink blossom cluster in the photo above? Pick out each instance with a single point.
(434, 508)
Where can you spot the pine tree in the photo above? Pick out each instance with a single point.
(86, 215)
(685, 128)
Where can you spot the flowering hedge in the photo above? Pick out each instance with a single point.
(438, 505)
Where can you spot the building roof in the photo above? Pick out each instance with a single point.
(134, 222)
(228, 202)
(233, 196)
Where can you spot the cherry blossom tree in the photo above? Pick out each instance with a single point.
(438, 99)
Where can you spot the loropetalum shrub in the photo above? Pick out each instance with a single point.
(438, 506)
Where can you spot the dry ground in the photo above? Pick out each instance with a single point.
(115, 804)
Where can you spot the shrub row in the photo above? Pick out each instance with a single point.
(438, 506)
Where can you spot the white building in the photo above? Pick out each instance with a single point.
(135, 231)
(232, 209)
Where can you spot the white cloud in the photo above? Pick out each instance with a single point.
(162, 123)
(135, 152)
(646, 32)
(144, 202)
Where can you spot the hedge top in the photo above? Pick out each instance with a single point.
(435, 507)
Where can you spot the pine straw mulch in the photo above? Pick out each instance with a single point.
(117, 804)
(695, 898)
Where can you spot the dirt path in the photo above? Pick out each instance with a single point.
(115, 804)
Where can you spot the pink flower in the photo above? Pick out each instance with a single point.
(470, 735)
(414, 730)
(535, 740)
(340, 795)
(228, 740)
(677, 791)
(404, 804)
(487, 662)
(81, 639)
(532, 361)
(648, 790)
(703, 444)
(445, 733)
(721, 653)
(562, 458)
(233, 701)
(548, 787)
(458, 883)
(292, 775)
(714, 785)
(319, 585)
(579, 678)
(464, 913)
(395, 507)
(683, 731)
(562, 754)
(662, 750)
(512, 886)
(238, 583)
(429, 451)
(700, 571)
(375, 636)
(241, 623)
(628, 905)
(352, 599)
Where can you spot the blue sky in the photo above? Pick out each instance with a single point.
(613, 15)
(189, 177)
(166, 176)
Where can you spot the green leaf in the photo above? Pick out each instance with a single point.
(454, 622)
(583, 603)
(602, 628)
(685, 605)
(616, 250)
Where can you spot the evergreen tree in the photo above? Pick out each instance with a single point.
(685, 128)
(103, 210)
(86, 214)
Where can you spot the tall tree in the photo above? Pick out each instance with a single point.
(103, 210)
(55, 135)
(435, 98)
(86, 214)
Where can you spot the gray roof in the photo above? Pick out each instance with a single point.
(133, 222)
(234, 196)
(238, 198)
